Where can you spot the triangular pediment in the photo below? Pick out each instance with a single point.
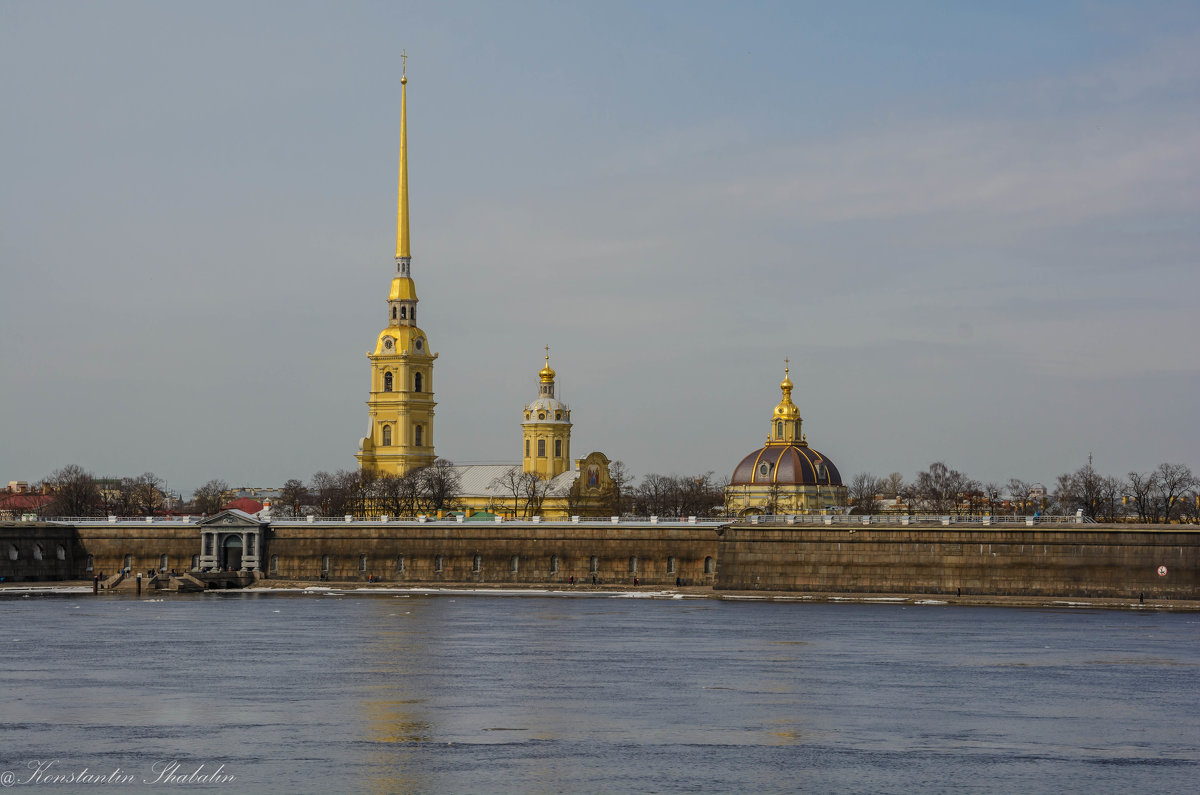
(231, 518)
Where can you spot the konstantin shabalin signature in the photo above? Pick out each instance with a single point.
(53, 772)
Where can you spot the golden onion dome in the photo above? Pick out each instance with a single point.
(786, 410)
(546, 374)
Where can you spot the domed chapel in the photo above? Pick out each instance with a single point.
(785, 475)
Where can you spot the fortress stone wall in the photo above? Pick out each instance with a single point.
(1074, 560)
(1044, 560)
(544, 553)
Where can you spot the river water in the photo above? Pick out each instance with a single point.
(324, 692)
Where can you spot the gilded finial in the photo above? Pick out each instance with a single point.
(547, 373)
(403, 67)
(786, 410)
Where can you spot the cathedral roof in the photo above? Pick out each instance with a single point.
(786, 465)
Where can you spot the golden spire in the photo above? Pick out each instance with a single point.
(402, 249)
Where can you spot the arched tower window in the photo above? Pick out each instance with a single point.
(403, 312)
(527, 448)
(541, 448)
(387, 382)
(387, 435)
(779, 429)
(393, 313)
(417, 379)
(417, 433)
(558, 448)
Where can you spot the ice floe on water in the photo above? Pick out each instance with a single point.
(44, 589)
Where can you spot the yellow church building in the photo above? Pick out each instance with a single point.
(400, 410)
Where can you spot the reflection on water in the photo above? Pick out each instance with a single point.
(313, 693)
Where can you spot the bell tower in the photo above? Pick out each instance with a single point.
(400, 407)
(547, 429)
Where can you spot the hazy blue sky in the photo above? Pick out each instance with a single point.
(972, 226)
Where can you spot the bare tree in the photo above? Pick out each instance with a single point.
(620, 476)
(1172, 481)
(1189, 510)
(652, 497)
(438, 485)
(294, 496)
(1080, 490)
(396, 495)
(1142, 490)
(938, 489)
(209, 498)
(527, 489)
(892, 486)
(864, 489)
(75, 492)
(146, 494)
(331, 492)
(1109, 507)
(1018, 492)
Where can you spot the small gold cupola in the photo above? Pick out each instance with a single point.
(546, 378)
(785, 422)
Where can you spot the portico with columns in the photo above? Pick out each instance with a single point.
(233, 540)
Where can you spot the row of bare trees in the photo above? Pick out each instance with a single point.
(1170, 492)
(352, 491)
(77, 492)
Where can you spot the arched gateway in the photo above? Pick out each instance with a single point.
(233, 541)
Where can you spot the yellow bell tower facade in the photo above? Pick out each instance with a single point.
(547, 429)
(400, 409)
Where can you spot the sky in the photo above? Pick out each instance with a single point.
(972, 228)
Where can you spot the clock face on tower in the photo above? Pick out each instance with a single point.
(387, 343)
(420, 343)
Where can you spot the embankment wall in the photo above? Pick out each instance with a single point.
(1075, 560)
(543, 553)
(1062, 560)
